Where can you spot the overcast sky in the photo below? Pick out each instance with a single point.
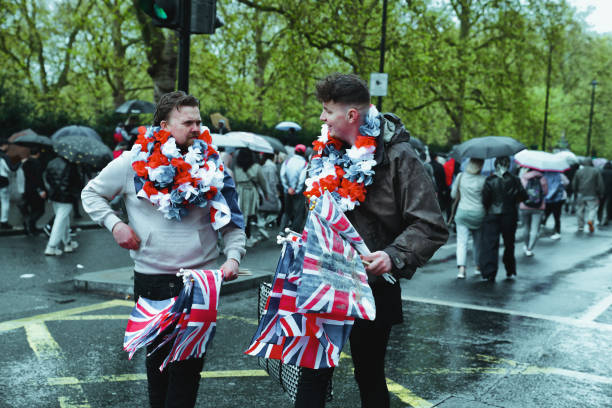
(600, 18)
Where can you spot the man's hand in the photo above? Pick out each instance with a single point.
(291, 191)
(125, 236)
(379, 263)
(230, 269)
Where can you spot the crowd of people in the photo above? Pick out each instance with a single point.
(485, 207)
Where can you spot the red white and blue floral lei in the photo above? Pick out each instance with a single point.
(175, 182)
(344, 174)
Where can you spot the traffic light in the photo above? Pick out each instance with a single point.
(204, 18)
(164, 13)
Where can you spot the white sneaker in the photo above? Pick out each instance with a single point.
(528, 252)
(555, 236)
(461, 274)
(477, 272)
(71, 246)
(250, 242)
(50, 251)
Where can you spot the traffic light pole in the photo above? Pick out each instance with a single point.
(184, 45)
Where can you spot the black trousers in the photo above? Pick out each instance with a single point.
(554, 209)
(368, 348)
(32, 208)
(492, 226)
(177, 385)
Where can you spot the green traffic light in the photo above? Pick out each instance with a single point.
(160, 12)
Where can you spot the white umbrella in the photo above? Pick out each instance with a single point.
(542, 161)
(288, 125)
(251, 141)
(569, 156)
(225, 141)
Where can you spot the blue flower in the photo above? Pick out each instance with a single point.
(163, 175)
(371, 127)
(176, 197)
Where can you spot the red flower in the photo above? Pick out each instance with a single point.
(139, 168)
(182, 177)
(337, 143)
(210, 194)
(162, 136)
(205, 136)
(318, 146)
(365, 141)
(157, 159)
(180, 165)
(149, 189)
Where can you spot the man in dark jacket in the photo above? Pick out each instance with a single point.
(588, 187)
(501, 194)
(33, 198)
(400, 222)
(605, 209)
(64, 184)
(443, 190)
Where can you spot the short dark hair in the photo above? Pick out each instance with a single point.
(171, 101)
(343, 88)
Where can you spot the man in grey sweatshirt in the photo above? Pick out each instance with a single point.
(160, 245)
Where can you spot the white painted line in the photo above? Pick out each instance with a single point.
(556, 319)
(597, 309)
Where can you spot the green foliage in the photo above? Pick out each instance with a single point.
(458, 69)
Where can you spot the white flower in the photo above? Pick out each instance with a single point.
(169, 149)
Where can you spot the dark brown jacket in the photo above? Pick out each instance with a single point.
(400, 215)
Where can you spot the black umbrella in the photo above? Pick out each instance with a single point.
(487, 147)
(32, 139)
(136, 106)
(81, 150)
(75, 130)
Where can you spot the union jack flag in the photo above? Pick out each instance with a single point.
(333, 278)
(188, 320)
(312, 340)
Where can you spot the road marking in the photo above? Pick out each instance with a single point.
(557, 319)
(71, 381)
(407, 396)
(18, 323)
(41, 341)
(597, 309)
(401, 392)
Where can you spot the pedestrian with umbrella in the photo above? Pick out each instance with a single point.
(467, 193)
(64, 182)
(33, 199)
(501, 193)
(32, 204)
(532, 209)
(555, 198)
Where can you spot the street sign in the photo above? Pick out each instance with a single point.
(378, 84)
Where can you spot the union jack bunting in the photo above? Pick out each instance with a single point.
(188, 320)
(333, 278)
(312, 340)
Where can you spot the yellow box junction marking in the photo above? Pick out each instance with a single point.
(44, 346)
(41, 341)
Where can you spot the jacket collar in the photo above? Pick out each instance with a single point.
(393, 131)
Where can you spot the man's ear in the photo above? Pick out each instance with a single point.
(353, 115)
(163, 124)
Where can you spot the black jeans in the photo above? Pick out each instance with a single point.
(177, 385)
(368, 348)
(492, 226)
(554, 209)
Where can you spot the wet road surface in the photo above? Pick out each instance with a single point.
(542, 340)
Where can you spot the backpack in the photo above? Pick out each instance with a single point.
(535, 195)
